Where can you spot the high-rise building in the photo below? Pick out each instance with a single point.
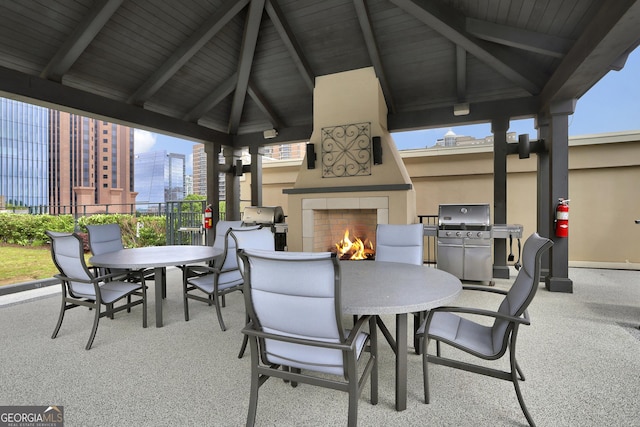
(91, 165)
(188, 185)
(200, 172)
(160, 176)
(24, 165)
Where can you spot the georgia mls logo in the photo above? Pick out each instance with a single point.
(31, 416)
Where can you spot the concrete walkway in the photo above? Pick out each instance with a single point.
(581, 358)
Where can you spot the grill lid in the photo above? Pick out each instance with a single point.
(254, 215)
(464, 217)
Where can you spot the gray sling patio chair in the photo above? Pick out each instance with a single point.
(251, 238)
(402, 243)
(218, 279)
(105, 238)
(293, 301)
(488, 342)
(80, 287)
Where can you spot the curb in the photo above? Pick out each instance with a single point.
(27, 286)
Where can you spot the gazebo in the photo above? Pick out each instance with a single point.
(237, 74)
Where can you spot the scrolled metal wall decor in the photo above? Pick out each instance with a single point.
(346, 150)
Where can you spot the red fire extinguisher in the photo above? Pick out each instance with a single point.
(208, 217)
(562, 218)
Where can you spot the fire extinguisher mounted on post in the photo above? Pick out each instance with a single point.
(207, 218)
(562, 218)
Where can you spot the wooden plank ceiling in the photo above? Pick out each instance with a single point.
(226, 70)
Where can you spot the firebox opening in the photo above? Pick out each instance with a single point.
(330, 227)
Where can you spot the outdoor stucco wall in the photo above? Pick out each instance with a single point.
(604, 188)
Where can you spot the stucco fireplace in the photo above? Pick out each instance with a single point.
(350, 122)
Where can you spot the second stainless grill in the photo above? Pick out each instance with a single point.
(268, 216)
(464, 241)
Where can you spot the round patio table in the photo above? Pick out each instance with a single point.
(377, 287)
(158, 258)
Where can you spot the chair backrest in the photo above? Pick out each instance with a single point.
(296, 294)
(68, 255)
(105, 238)
(400, 243)
(524, 287)
(221, 232)
(252, 238)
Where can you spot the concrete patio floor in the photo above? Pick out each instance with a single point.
(581, 358)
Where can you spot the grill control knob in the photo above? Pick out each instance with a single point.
(469, 234)
(480, 234)
(458, 234)
(448, 233)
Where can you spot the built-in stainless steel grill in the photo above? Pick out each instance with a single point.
(270, 216)
(464, 241)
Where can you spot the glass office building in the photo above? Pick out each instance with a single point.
(159, 177)
(24, 164)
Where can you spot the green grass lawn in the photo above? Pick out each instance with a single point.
(22, 263)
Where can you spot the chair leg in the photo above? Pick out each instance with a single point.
(245, 340)
(352, 419)
(243, 347)
(255, 384)
(515, 369)
(60, 317)
(216, 302)
(95, 327)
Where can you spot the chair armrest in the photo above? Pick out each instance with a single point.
(95, 280)
(201, 269)
(357, 328)
(251, 331)
(481, 312)
(484, 289)
(474, 311)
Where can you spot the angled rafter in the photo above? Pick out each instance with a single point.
(372, 47)
(264, 106)
(519, 38)
(481, 112)
(249, 41)
(186, 51)
(84, 33)
(604, 41)
(450, 24)
(289, 40)
(56, 95)
(213, 99)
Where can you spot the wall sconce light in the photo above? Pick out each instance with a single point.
(270, 133)
(461, 109)
(377, 150)
(311, 156)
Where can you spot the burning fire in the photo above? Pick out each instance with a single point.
(356, 249)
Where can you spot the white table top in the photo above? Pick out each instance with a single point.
(155, 256)
(377, 287)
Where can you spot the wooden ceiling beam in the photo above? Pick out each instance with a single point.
(249, 41)
(610, 36)
(50, 94)
(288, 38)
(82, 36)
(451, 24)
(264, 106)
(185, 52)
(374, 54)
(519, 38)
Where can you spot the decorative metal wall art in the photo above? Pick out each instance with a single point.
(346, 150)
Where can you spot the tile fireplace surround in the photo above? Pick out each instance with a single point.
(310, 206)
